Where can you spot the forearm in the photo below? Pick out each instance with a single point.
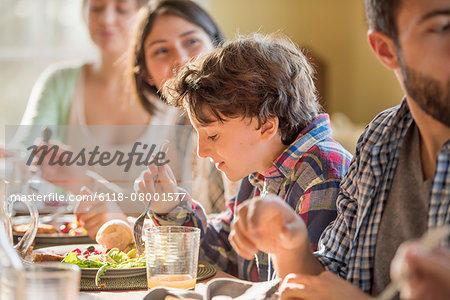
(186, 213)
(299, 261)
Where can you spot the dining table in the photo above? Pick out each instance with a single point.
(200, 287)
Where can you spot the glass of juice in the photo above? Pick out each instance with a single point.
(172, 256)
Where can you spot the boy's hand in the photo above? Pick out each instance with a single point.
(162, 193)
(267, 224)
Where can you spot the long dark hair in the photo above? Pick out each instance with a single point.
(185, 9)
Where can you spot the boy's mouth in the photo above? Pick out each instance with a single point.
(219, 164)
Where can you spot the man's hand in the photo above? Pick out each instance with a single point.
(428, 273)
(268, 224)
(93, 214)
(326, 286)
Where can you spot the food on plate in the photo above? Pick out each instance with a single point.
(41, 257)
(42, 228)
(115, 234)
(93, 257)
(72, 229)
(69, 228)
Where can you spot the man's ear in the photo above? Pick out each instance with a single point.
(384, 49)
(269, 128)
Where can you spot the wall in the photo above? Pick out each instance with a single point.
(357, 84)
(35, 33)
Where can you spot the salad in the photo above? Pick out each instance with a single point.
(103, 260)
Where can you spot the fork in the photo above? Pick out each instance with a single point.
(33, 185)
(139, 223)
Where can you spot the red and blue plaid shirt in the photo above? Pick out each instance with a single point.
(306, 175)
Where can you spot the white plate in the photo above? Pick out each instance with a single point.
(90, 272)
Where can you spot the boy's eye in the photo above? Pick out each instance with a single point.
(212, 137)
(444, 28)
(440, 29)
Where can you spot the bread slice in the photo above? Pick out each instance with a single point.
(41, 257)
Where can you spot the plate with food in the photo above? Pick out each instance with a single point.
(113, 256)
(62, 231)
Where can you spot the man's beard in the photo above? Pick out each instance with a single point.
(432, 96)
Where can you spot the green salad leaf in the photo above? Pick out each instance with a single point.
(72, 258)
(133, 263)
(117, 255)
(120, 259)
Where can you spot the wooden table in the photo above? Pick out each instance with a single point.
(140, 294)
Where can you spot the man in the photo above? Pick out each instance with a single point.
(398, 184)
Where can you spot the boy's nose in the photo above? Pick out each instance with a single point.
(202, 148)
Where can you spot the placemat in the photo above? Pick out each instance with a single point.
(205, 271)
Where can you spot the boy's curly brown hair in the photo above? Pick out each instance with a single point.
(255, 76)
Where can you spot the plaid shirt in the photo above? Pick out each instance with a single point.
(347, 246)
(306, 175)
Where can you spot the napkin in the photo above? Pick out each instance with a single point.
(223, 289)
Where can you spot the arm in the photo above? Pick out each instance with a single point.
(215, 246)
(49, 103)
(50, 97)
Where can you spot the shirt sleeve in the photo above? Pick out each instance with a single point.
(46, 104)
(335, 244)
(49, 102)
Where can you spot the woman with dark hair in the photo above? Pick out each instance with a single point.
(169, 30)
(170, 33)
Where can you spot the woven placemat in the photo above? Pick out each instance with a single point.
(205, 271)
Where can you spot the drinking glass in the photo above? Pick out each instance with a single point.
(52, 281)
(172, 256)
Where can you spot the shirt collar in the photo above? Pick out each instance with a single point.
(283, 166)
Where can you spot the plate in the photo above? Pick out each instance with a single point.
(53, 238)
(91, 272)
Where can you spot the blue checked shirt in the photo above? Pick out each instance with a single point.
(347, 246)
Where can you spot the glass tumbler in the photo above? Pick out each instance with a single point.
(52, 281)
(172, 256)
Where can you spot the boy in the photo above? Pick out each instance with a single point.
(253, 105)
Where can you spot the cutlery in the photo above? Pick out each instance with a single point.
(139, 224)
(34, 182)
(58, 213)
